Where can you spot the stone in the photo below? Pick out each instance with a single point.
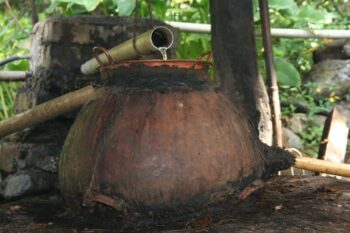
(291, 140)
(9, 155)
(26, 182)
(332, 77)
(44, 159)
(299, 122)
(17, 156)
(337, 49)
(296, 123)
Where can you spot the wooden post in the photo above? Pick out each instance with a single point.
(233, 41)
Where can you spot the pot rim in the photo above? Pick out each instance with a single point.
(171, 63)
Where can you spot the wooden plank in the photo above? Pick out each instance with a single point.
(334, 138)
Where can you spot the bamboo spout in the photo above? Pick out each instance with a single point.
(146, 43)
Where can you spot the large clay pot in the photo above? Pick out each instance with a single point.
(158, 135)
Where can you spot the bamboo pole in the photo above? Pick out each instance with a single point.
(271, 74)
(322, 166)
(46, 111)
(275, 32)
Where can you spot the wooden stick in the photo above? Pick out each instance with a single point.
(322, 166)
(46, 111)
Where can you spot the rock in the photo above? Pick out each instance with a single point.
(46, 160)
(296, 123)
(9, 156)
(290, 139)
(299, 122)
(17, 156)
(26, 182)
(337, 49)
(331, 76)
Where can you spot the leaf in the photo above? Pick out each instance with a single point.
(18, 65)
(125, 7)
(197, 37)
(311, 14)
(52, 7)
(282, 5)
(89, 5)
(286, 73)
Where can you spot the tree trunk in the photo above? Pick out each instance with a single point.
(235, 58)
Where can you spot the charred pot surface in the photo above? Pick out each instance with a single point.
(135, 146)
(154, 75)
(154, 149)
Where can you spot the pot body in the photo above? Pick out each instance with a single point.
(142, 147)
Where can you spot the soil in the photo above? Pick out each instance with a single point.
(288, 204)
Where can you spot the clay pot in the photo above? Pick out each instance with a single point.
(157, 135)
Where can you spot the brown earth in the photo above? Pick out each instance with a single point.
(288, 204)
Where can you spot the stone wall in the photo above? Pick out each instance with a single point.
(29, 159)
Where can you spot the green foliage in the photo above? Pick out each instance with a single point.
(282, 5)
(308, 100)
(309, 14)
(125, 7)
(89, 5)
(13, 40)
(286, 73)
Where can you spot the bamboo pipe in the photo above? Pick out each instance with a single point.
(322, 166)
(46, 111)
(14, 75)
(146, 43)
(275, 32)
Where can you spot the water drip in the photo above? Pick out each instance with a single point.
(163, 51)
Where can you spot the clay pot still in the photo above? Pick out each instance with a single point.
(158, 135)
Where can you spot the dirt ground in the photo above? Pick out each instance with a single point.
(288, 204)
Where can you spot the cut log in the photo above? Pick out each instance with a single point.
(46, 111)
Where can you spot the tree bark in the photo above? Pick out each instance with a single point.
(235, 58)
